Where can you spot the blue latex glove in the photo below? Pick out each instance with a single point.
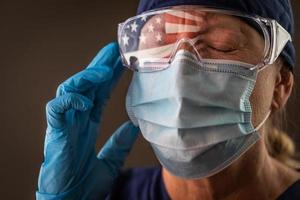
(71, 168)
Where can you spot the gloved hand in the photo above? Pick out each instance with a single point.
(71, 168)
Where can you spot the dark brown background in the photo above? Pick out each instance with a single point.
(43, 43)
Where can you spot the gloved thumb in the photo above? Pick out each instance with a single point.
(116, 149)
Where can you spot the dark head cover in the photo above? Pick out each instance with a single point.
(279, 10)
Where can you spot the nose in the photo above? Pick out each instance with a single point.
(187, 45)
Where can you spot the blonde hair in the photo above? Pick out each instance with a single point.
(279, 144)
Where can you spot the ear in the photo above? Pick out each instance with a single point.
(283, 88)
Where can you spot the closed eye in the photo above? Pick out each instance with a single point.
(223, 50)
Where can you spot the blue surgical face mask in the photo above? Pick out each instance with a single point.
(196, 115)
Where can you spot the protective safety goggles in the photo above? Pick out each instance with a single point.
(149, 42)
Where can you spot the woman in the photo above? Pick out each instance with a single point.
(207, 88)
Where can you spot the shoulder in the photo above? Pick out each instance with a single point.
(292, 193)
(139, 183)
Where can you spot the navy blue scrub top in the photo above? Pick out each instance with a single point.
(147, 184)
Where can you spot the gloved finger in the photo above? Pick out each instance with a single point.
(57, 107)
(103, 92)
(116, 149)
(107, 56)
(82, 81)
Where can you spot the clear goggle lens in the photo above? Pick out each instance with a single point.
(148, 42)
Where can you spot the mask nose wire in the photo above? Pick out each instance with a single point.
(183, 43)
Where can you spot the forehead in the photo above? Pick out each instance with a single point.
(204, 20)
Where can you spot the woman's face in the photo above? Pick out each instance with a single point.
(221, 37)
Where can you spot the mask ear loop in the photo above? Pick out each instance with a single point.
(263, 121)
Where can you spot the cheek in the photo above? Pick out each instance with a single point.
(262, 96)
